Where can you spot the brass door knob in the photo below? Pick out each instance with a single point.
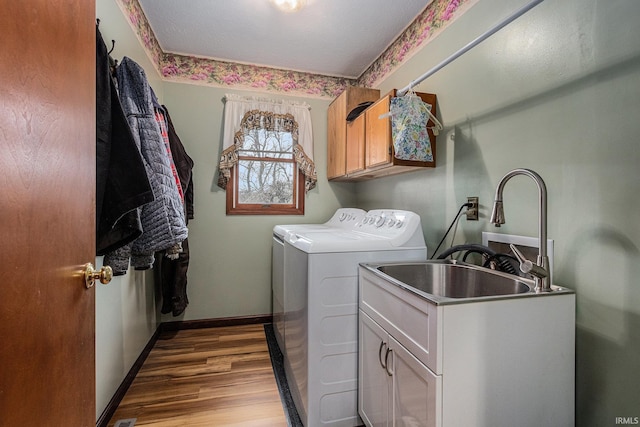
(91, 275)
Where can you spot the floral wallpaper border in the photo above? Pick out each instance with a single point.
(435, 18)
(429, 23)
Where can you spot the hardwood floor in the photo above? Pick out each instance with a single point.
(205, 377)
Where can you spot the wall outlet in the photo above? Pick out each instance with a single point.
(472, 212)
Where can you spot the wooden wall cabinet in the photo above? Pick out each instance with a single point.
(337, 128)
(363, 148)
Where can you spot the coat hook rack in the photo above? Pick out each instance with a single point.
(113, 42)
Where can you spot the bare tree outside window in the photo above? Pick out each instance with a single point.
(266, 168)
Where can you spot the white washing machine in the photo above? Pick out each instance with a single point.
(321, 308)
(343, 218)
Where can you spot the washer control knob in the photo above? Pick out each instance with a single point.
(380, 221)
(343, 216)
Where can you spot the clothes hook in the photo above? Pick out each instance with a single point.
(113, 46)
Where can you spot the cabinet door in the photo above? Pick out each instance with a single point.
(355, 145)
(373, 380)
(336, 137)
(416, 390)
(378, 133)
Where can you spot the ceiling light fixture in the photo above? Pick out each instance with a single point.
(289, 5)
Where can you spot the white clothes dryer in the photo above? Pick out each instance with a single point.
(321, 308)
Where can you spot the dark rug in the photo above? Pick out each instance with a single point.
(277, 361)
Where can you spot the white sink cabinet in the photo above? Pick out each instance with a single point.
(491, 363)
(397, 385)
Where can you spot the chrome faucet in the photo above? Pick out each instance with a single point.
(540, 270)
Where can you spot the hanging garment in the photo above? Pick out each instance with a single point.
(409, 118)
(173, 251)
(161, 114)
(121, 180)
(173, 272)
(163, 220)
(162, 124)
(184, 165)
(173, 281)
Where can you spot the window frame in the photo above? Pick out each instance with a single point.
(233, 207)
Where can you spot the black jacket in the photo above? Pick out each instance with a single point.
(184, 165)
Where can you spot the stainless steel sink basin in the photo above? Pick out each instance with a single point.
(452, 279)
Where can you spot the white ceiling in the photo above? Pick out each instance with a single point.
(329, 37)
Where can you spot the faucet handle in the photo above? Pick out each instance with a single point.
(527, 266)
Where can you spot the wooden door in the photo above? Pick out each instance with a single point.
(47, 212)
(355, 145)
(378, 133)
(336, 137)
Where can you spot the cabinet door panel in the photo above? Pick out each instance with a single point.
(336, 137)
(373, 381)
(355, 145)
(378, 133)
(416, 391)
(407, 317)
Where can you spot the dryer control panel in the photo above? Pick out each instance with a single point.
(402, 227)
(346, 218)
(353, 230)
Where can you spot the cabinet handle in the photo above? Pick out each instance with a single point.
(382, 344)
(386, 363)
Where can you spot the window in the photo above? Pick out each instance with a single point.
(266, 166)
(266, 179)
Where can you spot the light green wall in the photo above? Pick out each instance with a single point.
(230, 264)
(557, 91)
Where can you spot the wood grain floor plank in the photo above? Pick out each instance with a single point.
(206, 377)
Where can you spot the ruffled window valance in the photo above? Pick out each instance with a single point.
(242, 114)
